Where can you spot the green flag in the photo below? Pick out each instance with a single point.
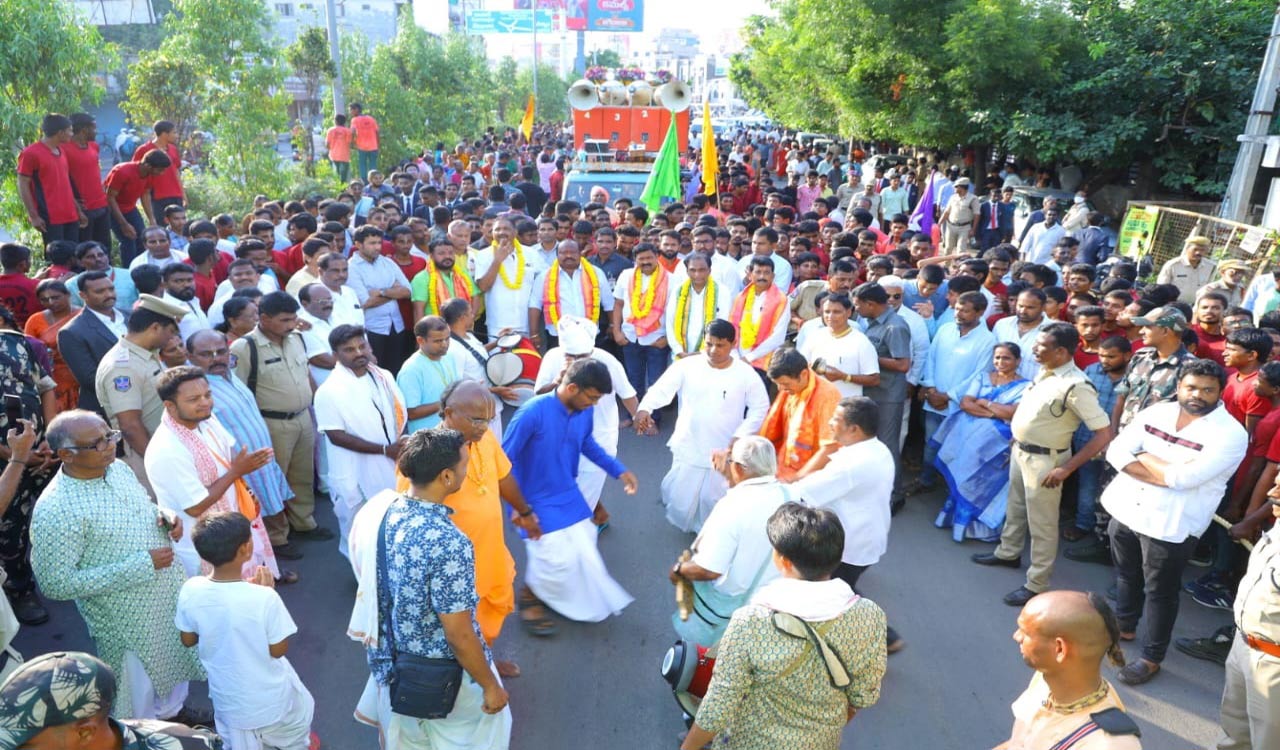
(664, 180)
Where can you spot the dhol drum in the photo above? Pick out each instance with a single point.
(688, 668)
(515, 364)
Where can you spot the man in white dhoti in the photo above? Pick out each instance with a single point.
(197, 470)
(715, 389)
(578, 341)
(428, 600)
(362, 413)
(545, 441)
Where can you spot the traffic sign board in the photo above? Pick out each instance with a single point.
(509, 21)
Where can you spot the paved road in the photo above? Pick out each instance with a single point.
(598, 685)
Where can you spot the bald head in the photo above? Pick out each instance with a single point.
(465, 393)
(205, 336)
(1084, 621)
(65, 428)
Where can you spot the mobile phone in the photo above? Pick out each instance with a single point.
(13, 411)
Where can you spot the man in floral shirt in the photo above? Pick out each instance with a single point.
(63, 700)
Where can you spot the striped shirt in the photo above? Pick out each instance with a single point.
(237, 410)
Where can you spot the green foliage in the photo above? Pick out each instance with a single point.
(608, 58)
(1102, 83)
(164, 86)
(421, 88)
(514, 83)
(309, 60)
(209, 194)
(51, 63)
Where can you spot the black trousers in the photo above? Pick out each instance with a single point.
(850, 575)
(1148, 581)
(388, 349)
(52, 232)
(99, 228)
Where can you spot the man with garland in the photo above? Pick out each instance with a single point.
(639, 322)
(505, 273)
(442, 280)
(699, 300)
(569, 286)
(760, 313)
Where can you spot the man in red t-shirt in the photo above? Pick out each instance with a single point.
(166, 187)
(17, 290)
(1210, 308)
(44, 183)
(1246, 351)
(125, 184)
(338, 140)
(86, 179)
(364, 133)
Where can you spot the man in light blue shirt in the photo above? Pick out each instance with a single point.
(427, 373)
(379, 284)
(961, 349)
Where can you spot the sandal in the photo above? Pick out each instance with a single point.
(287, 577)
(506, 669)
(537, 625)
(1139, 672)
(1074, 533)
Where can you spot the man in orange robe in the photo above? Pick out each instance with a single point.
(799, 421)
(477, 508)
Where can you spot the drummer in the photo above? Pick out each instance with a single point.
(577, 338)
(470, 359)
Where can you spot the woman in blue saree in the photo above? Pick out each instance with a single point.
(973, 449)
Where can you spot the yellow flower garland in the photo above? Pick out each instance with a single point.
(552, 296)
(750, 327)
(435, 280)
(642, 304)
(682, 314)
(502, 271)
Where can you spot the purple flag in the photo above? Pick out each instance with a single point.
(922, 217)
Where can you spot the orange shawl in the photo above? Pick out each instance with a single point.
(652, 320)
(799, 425)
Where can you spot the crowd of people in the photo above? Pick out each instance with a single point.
(176, 400)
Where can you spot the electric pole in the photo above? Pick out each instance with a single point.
(1235, 204)
(331, 20)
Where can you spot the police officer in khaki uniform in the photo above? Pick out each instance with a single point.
(272, 361)
(959, 218)
(1050, 411)
(1064, 636)
(126, 377)
(1251, 697)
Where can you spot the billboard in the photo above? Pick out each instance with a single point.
(613, 15)
(508, 22)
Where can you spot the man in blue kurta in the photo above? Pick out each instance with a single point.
(545, 441)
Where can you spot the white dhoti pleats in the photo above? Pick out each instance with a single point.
(291, 731)
(146, 703)
(591, 480)
(344, 513)
(565, 570)
(690, 492)
(468, 727)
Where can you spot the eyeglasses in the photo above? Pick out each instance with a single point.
(102, 443)
(896, 296)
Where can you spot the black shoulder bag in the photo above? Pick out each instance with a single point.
(421, 687)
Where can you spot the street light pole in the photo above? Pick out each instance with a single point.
(1235, 204)
(331, 20)
(534, 11)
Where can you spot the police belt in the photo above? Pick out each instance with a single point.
(1038, 450)
(281, 414)
(1266, 647)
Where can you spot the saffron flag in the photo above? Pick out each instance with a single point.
(710, 159)
(922, 217)
(526, 124)
(664, 179)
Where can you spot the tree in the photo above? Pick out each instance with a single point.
(551, 103)
(51, 63)
(1100, 83)
(506, 88)
(609, 58)
(164, 86)
(309, 59)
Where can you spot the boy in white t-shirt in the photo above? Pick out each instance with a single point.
(241, 629)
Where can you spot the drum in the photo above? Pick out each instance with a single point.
(688, 669)
(509, 341)
(503, 368)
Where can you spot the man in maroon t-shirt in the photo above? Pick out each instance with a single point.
(166, 188)
(44, 184)
(125, 184)
(1210, 308)
(86, 179)
(17, 290)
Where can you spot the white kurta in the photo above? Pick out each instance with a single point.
(856, 485)
(367, 410)
(507, 308)
(713, 403)
(604, 415)
(852, 353)
(463, 353)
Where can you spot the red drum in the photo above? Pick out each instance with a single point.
(688, 668)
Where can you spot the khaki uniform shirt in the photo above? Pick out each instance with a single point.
(1054, 406)
(963, 210)
(1036, 727)
(1257, 606)
(1187, 278)
(126, 381)
(284, 382)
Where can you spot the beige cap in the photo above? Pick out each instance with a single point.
(1197, 240)
(160, 306)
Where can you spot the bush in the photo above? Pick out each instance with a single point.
(210, 194)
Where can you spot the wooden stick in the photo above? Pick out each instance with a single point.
(1224, 523)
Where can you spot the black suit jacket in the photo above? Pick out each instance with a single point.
(83, 343)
